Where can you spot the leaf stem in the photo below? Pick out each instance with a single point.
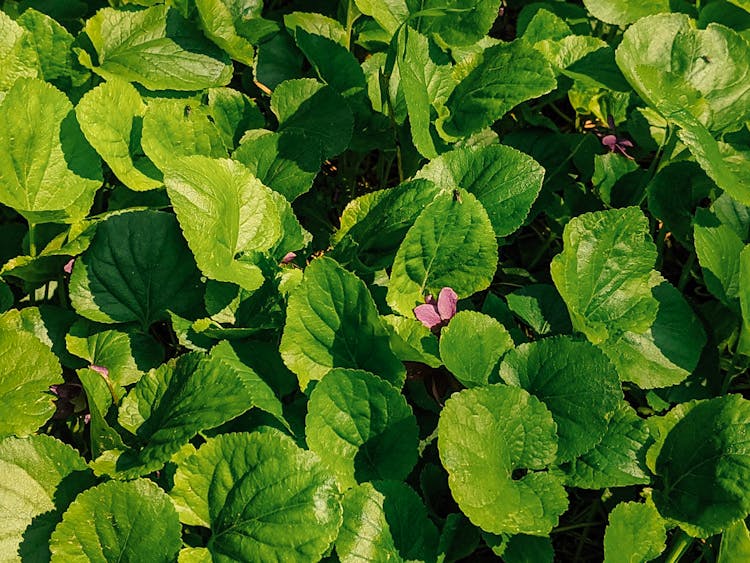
(680, 544)
(32, 239)
(686, 269)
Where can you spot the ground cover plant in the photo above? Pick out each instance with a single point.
(399, 280)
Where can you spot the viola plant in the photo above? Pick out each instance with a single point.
(431, 281)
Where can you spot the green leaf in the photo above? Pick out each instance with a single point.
(137, 267)
(264, 498)
(385, 521)
(389, 14)
(226, 215)
(718, 248)
(53, 45)
(17, 53)
(316, 24)
(373, 226)
(700, 71)
(505, 75)
(361, 427)
(283, 162)
(735, 544)
(171, 404)
(222, 22)
(618, 460)
(541, 308)
(41, 476)
(471, 346)
(704, 467)
(484, 436)
(126, 355)
(460, 22)
(48, 172)
(624, 12)
(27, 369)
(111, 116)
(411, 341)
(743, 346)
(316, 112)
(115, 521)
(155, 47)
(233, 113)
(451, 244)
(48, 323)
(332, 322)
(173, 129)
(504, 180)
(333, 63)
(635, 532)
(576, 382)
(668, 352)
(99, 398)
(603, 273)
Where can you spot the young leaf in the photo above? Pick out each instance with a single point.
(718, 248)
(110, 116)
(624, 12)
(484, 436)
(264, 498)
(222, 22)
(42, 477)
(471, 346)
(704, 467)
(17, 53)
(332, 322)
(361, 427)
(156, 47)
(451, 244)
(385, 520)
(233, 113)
(27, 369)
(53, 45)
(115, 521)
(635, 532)
(48, 172)
(459, 22)
(576, 382)
(137, 267)
(541, 308)
(735, 543)
(505, 181)
(603, 273)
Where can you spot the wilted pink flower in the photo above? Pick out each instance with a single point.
(436, 314)
(288, 257)
(68, 268)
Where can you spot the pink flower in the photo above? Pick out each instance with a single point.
(288, 257)
(436, 314)
(100, 370)
(68, 268)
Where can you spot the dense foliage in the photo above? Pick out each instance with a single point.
(429, 280)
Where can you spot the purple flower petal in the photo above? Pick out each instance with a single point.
(68, 268)
(288, 257)
(101, 370)
(428, 315)
(609, 141)
(446, 304)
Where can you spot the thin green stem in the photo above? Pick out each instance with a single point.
(32, 240)
(680, 544)
(686, 270)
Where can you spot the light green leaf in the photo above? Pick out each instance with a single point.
(264, 498)
(718, 248)
(411, 341)
(459, 22)
(126, 355)
(451, 244)
(222, 22)
(504, 180)
(505, 75)
(735, 544)
(471, 346)
(283, 162)
(17, 53)
(225, 214)
(137, 267)
(27, 369)
(576, 382)
(636, 533)
(624, 12)
(194, 555)
(385, 521)
(48, 172)
(618, 460)
(484, 435)
(173, 129)
(100, 396)
(155, 47)
(373, 226)
(316, 112)
(704, 467)
(743, 346)
(361, 427)
(389, 14)
(116, 521)
(332, 322)
(316, 24)
(700, 71)
(668, 352)
(603, 273)
(541, 308)
(110, 117)
(48, 323)
(233, 113)
(53, 45)
(41, 476)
